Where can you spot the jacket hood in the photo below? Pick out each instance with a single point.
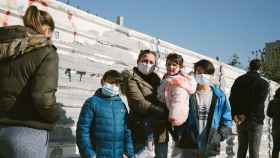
(217, 91)
(121, 97)
(185, 81)
(18, 40)
(98, 93)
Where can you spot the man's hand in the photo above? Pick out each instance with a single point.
(242, 118)
(239, 119)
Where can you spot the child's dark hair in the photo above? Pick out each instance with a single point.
(144, 52)
(112, 76)
(176, 58)
(207, 66)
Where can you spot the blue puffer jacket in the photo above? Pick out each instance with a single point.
(101, 129)
(218, 126)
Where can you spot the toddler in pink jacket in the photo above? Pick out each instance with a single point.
(175, 89)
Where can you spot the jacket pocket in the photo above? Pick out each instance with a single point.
(185, 137)
(213, 149)
(213, 145)
(6, 103)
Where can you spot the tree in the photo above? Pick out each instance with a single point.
(270, 63)
(271, 72)
(235, 61)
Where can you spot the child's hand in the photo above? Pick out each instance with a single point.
(235, 119)
(124, 156)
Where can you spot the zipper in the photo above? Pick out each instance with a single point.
(114, 128)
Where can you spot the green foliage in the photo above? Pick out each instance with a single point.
(235, 61)
(271, 71)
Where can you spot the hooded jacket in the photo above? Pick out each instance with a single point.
(218, 126)
(102, 130)
(174, 91)
(28, 79)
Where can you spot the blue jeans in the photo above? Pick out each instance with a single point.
(249, 135)
(160, 150)
(184, 153)
(23, 142)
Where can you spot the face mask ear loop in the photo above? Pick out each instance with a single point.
(156, 61)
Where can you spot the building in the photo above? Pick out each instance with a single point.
(272, 53)
(272, 60)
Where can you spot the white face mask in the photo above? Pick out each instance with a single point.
(146, 69)
(110, 89)
(203, 79)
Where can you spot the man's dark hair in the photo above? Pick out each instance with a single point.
(112, 76)
(176, 58)
(206, 65)
(255, 65)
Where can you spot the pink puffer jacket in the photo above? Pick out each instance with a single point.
(174, 91)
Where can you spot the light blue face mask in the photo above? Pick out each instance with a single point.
(203, 79)
(110, 90)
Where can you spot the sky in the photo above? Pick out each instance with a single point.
(210, 27)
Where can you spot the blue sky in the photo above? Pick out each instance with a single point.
(210, 27)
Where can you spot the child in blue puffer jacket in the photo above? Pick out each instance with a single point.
(102, 130)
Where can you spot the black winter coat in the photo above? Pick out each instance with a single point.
(248, 95)
(28, 79)
(273, 111)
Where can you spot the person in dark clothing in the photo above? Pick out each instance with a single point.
(140, 86)
(273, 111)
(28, 82)
(247, 98)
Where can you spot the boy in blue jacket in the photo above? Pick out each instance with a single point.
(209, 121)
(102, 130)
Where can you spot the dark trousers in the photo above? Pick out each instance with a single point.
(249, 135)
(276, 143)
(161, 150)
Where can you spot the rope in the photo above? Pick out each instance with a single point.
(4, 21)
(70, 18)
(43, 3)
